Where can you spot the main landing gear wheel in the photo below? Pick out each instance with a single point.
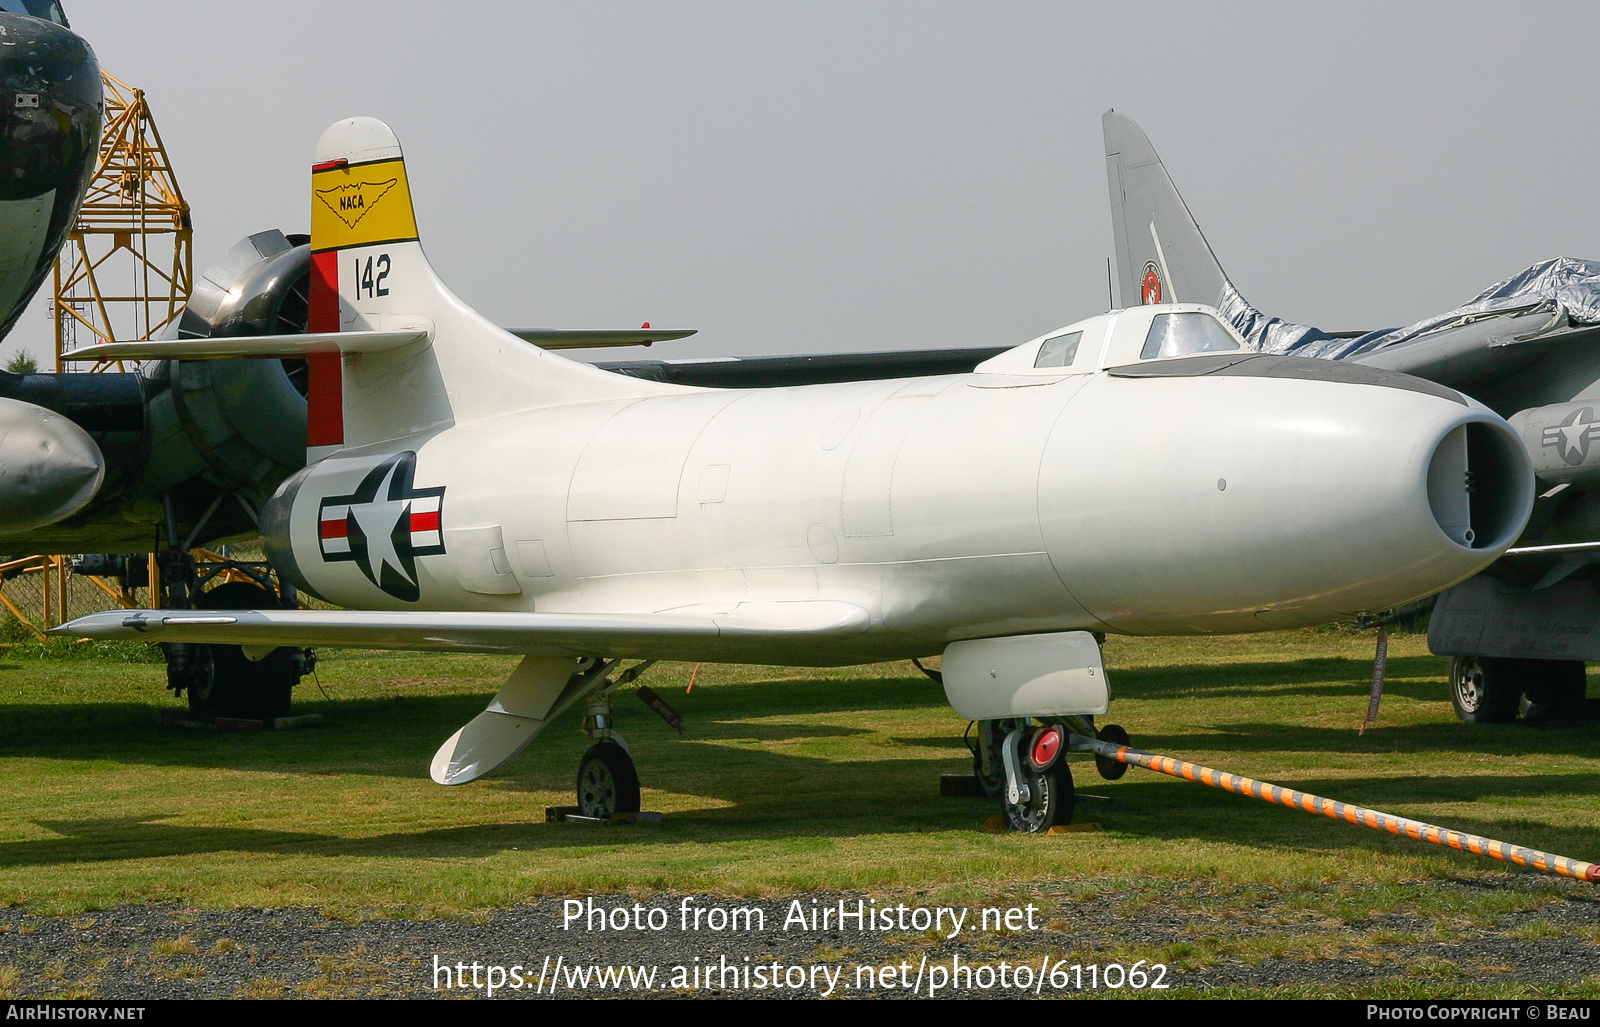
(1553, 690)
(1485, 690)
(1049, 802)
(607, 781)
(237, 686)
(1107, 767)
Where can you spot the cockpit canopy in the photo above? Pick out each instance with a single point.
(1155, 332)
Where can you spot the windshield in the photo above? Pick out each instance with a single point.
(1178, 335)
(49, 10)
(1060, 351)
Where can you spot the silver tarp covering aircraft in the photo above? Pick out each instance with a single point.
(1527, 347)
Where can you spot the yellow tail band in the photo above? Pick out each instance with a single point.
(360, 204)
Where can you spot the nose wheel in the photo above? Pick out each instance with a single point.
(1048, 801)
(1037, 794)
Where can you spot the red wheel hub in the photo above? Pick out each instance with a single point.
(1045, 746)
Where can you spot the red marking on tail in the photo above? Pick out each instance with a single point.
(325, 371)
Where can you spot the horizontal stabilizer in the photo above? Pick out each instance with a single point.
(251, 346)
(624, 635)
(806, 369)
(585, 338)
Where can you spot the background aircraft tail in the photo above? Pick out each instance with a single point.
(368, 273)
(1162, 256)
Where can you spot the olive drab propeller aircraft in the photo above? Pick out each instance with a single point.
(1136, 472)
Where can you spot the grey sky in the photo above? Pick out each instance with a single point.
(800, 177)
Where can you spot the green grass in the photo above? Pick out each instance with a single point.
(788, 779)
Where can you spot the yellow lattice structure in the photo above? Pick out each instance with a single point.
(126, 269)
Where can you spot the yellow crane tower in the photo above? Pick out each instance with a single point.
(126, 269)
(123, 274)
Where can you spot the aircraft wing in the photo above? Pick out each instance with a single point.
(671, 635)
(1483, 349)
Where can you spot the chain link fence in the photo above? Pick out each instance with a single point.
(40, 592)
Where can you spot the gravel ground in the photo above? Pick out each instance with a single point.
(1207, 939)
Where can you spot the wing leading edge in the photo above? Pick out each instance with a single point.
(676, 635)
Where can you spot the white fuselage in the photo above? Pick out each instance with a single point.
(1013, 500)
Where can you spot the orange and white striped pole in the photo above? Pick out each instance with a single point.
(1476, 844)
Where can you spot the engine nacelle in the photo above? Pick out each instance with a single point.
(137, 445)
(49, 467)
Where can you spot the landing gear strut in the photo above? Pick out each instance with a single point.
(1038, 791)
(1023, 766)
(223, 680)
(608, 782)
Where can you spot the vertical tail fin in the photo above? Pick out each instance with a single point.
(1161, 255)
(1163, 258)
(368, 272)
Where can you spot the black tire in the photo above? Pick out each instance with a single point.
(1485, 690)
(1050, 802)
(1553, 689)
(607, 781)
(1107, 767)
(238, 686)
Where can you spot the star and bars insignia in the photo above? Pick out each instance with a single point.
(384, 526)
(1572, 436)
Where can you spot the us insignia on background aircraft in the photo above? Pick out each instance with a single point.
(1571, 437)
(384, 526)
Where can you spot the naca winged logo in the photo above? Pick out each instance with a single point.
(352, 200)
(384, 525)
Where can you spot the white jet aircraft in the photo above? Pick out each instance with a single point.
(1136, 472)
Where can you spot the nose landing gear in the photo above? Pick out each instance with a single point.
(1027, 771)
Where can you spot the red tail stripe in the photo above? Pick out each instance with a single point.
(325, 373)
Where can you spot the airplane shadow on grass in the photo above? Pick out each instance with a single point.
(1444, 737)
(1145, 809)
(398, 735)
(764, 776)
(1166, 809)
(1415, 677)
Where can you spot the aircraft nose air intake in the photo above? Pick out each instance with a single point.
(1341, 497)
(1478, 485)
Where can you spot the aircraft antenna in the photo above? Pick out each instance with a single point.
(126, 269)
